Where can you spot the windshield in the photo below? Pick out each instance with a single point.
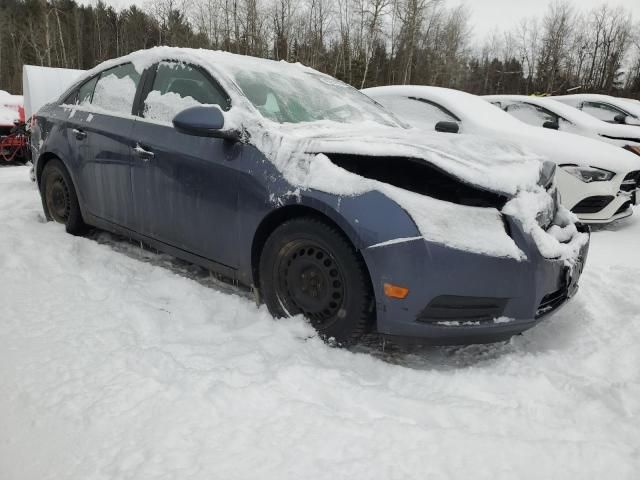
(302, 96)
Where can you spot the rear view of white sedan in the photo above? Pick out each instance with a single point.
(597, 181)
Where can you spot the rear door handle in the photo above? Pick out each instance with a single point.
(143, 153)
(80, 134)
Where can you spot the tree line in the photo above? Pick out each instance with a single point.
(363, 42)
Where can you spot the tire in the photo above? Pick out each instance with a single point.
(59, 198)
(308, 267)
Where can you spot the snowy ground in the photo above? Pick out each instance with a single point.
(117, 363)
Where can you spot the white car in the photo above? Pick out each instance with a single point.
(598, 182)
(548, 113)
(609, 109)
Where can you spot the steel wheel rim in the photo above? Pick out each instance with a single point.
(58, 198)
(310, 281)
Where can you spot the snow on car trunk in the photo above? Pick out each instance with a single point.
(117, 363)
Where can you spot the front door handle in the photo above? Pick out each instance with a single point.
(80, 134)
(143, 153)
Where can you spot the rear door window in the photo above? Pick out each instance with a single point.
(85, 92)
(178, 86)
(115, 89)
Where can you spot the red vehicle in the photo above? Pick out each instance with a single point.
(13, 134)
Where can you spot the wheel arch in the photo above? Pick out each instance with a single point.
(45, 158)
(288, 212)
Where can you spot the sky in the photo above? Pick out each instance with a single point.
(487, 15)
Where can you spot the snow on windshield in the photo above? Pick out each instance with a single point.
(306, 97)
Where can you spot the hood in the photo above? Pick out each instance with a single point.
(493, 165)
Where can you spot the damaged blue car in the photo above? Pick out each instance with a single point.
(290, 182)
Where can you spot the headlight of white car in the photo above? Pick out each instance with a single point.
(589, 174)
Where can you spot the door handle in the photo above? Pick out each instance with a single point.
(80, 134)
(144, 154)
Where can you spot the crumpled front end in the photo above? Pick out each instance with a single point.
(458, 297)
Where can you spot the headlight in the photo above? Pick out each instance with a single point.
(589, 174)
(633, 148)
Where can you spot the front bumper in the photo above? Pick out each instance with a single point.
(596, 202)
(459, 297)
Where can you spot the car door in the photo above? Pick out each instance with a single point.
(184, 187)
(75, 127)
(107, 129)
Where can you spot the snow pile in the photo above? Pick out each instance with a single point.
(562, 240)
(120, 364)
(8, 116)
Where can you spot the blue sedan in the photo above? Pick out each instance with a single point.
(292, 183)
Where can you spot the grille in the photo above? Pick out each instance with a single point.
(592, 204)
(631, 182)
(450, 308)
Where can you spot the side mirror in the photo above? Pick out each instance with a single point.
(620, 118)
(447, 127)
(204, 121)
(551, 125)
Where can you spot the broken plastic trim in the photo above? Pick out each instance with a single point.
(419, 177)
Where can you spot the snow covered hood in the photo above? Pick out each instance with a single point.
(496, 166)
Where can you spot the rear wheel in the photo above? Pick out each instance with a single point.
(308, 267)
(59, 197)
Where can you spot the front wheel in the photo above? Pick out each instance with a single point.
(308, 267)
(59, 197)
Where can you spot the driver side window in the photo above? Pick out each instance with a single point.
(606, 113)
(531, 114)
(417, 111)
(178, 86)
